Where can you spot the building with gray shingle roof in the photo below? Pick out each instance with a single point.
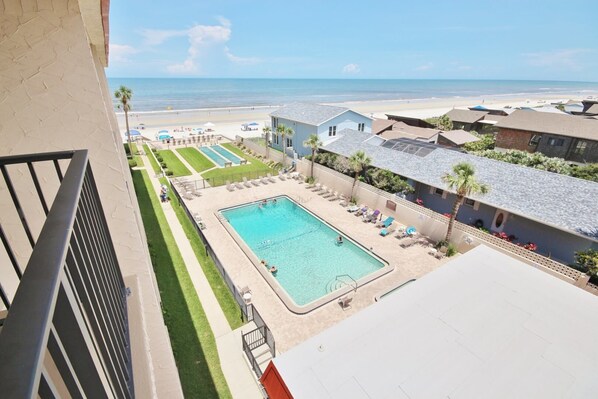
(465, 116)
(532, 199)
(484, 325)
(456, 138)
(307, 119)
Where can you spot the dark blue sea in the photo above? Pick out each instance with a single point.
(160, 94)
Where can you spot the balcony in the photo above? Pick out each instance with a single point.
(66, 331)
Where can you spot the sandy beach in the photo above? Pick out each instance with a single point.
(228, 121)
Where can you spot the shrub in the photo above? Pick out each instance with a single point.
(487, 142)
(127, 149)
(587, 261)
(451, 250)
(163, 165)
(168, 172)
(159, 158)
(354, 200)
(132, 163)
(310, 180)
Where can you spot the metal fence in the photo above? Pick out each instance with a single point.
(230, 178)
(67, 325)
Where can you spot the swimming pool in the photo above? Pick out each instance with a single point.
(226, 154)
(311, 264)
(217, 159)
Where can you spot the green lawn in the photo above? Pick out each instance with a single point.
(152, 160)
(192, 339)
(174, 163)
(196, 159)
(225, 298)
(255, 168)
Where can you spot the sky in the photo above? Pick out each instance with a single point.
(449, 39)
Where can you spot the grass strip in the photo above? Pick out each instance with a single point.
(255, 168)
(152, 160)
(225, 298)
(196, 159)
(173, 163)
(191, 337)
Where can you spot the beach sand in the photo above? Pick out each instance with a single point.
(228, 121)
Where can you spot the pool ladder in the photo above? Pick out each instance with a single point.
(340, 281)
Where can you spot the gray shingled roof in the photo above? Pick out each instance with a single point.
(557, 200)
(484, 325)
(541, 122)
(465, 115)
(311, 114)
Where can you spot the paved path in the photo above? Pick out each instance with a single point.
(241, 380)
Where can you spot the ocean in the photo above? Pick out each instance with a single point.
(158, 94)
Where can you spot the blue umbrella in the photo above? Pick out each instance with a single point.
(163, 131)
(253, 124)
(134, 133)
(410, 230)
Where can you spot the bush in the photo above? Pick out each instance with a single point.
(132, 163)
(127, 149)
(587, 261)
(310, 180)
(159, 158)
(487, 142)
(451, 250)
(163, 165)
(168, 172)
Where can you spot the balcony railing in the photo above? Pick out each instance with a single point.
(66, 333)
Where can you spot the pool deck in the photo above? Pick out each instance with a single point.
(290, 329)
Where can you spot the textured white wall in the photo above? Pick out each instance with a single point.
(54, 96)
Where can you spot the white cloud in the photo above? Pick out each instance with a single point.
(564, 58)
(240, 60)
(425, 67)
(121, 52)
(154, 37)
(351, 69)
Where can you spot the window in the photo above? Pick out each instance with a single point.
(361, 127)
(469, 202)
(331, 131)
(556, 142)
(580, 147)
(275, 138)
(439, 191)
(535, 139)
(289, 142)
(274, 123)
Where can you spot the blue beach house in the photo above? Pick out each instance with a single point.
(306, 119)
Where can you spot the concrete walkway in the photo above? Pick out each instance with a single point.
(239, 376)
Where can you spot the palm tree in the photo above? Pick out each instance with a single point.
(313, 142)
(267, 131)
(284, 132)
(464, 183)
(358, 161)
(124, 94)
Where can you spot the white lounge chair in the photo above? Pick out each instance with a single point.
(344, 201)
(255, 182)
(246, 183)
(281, 176)
(263, 180)
(323, 191)
(229, 186)
(318, 187)
(238, 185)
(270, 178)
(334, 196)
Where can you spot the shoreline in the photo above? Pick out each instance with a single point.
(229, 119)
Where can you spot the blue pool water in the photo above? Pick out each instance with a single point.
(301, 246)
(226, 154)
(207, 151)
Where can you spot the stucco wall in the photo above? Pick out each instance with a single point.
(514, 140)
(54, 97)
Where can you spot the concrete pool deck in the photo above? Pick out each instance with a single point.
(288, 328)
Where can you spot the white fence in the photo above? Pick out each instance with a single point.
(274, 155)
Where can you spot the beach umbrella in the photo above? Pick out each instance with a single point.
(134, 133)
(163, 131)
(253, 124)
(209, 125)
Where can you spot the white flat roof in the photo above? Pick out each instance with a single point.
(482, 326)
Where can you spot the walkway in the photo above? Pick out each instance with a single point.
(238, 374)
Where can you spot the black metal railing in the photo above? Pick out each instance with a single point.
(66, 332)
(253, 340)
